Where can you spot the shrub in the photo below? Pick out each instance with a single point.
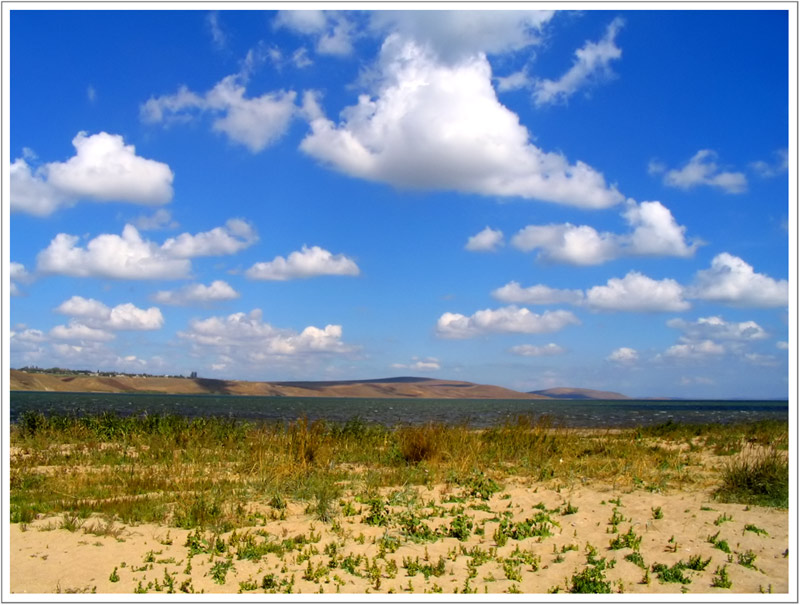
(760, 478)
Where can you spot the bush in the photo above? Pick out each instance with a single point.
(760, 478)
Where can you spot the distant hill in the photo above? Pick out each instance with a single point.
(405, 386)
(569, 393)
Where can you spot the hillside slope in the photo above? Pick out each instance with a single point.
(409, 387)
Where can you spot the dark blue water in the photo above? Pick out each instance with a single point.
(477, 412)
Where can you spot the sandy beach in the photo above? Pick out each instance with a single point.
(353, 556)
(199, 506)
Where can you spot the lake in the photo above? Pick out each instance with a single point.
(477, 412)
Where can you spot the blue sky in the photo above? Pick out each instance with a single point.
(595, 199)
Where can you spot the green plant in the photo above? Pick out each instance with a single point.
(747, 558)
(756, 477)
(721, 578)
(590, 580)
(114, 577)
(657, 512)
(696, 563)
(755, 530)
(636, 558)
(220, 570)
(722, 519)
(671, 574)
(626, 540)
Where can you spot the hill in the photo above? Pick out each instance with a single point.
(406, 386)
(570, 393)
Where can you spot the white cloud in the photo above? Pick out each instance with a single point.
(77, 331)
(108, 255)
(695, 350)
(537, 351)
(637, 292)
(768, 170)
(244, 338)
(130, 256)
(703, 170)
(95, 314)
(17, 274)
(255, 122)
(567, 243)
(160, 219)
(624, 355)
(590, 65)
(103, 169)
(539, 294)
(515, 81)
(332, 30)
(454, 35)
(716, 328)
(782, 345)
(428, 364)
(441, 127)
(732, 281)
(654, 232)
(761, 360)
(487, 240)
(308, 262)
(197, 294)
(215, 29)
(236, 235)
(509, 319)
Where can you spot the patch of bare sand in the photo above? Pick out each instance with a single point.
(156, 559)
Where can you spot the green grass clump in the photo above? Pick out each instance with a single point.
(756, 477)
(721, 578)
(671, 574)
(591, 580)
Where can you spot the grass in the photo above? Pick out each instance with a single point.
(203, 472)
(757, 476)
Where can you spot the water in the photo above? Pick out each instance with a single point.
(477, 412)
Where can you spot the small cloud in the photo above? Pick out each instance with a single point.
(217, 291)
(487, 240)
(624, 355)
(160, 219)
(508, 320)
(537, 351)
(782, 345)
(428, 364)
(703, 170)
(217, 34)
(308, 262)
(515, 81)
(637, 292)
(768, 170)
(91, 93)
(732, 281)
(591, 64)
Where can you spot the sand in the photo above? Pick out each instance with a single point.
(48, 559)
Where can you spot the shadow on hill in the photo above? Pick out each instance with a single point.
(219, 387)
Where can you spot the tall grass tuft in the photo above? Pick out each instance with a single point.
(756, 477)
(420, 443)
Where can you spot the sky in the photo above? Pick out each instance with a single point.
(532, 199)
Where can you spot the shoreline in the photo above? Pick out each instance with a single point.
(170, 504)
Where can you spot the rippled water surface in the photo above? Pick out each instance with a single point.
(477, 412)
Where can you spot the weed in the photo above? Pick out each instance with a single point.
(756, 477)
(220, 570)
(720, 544)
(671, 574)
(755, 530)
(722, 519)
(636, 558)
(721, 578)
(626, 540)
(114, 577)
(746, 559)
(569, 509)
(696, 563)
(590, 580)
(657, 512)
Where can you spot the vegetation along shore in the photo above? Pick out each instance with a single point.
(167, 504)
